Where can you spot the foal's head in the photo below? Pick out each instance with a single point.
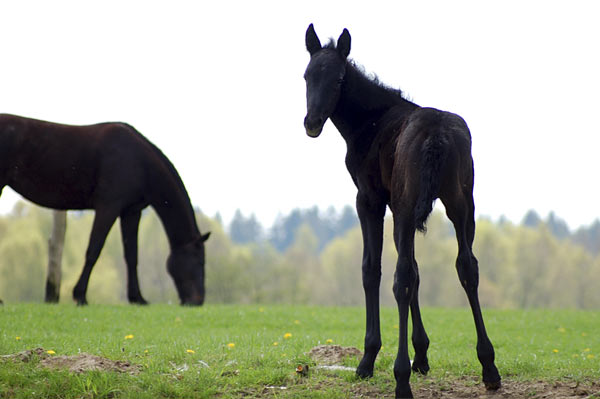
(186, 266)
(324, 78)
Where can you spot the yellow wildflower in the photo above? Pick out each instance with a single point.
(590, 356)
(587, 350)
(555, 350)
(190, 351)
(296, 321)
(287, 335)
(561, 330)
(18, 338)
(50, 352)
(130, 336)
(329, 341)
(231, 345)
(275, 343)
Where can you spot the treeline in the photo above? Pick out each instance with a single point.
(313, 257)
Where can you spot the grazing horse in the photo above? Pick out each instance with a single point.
(114, 170)
(402, 156)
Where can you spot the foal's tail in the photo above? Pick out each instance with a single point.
(433, 157)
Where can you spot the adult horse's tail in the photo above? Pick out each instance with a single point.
(433, 157)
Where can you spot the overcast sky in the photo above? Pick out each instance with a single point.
(218, 87)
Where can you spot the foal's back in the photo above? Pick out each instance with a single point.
(70, 167)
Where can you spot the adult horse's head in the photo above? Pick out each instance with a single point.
(324, 78)
(186, 266)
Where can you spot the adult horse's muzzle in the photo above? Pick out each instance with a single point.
(313, 125)
(194, 300)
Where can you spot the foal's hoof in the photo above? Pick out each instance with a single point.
(420, 366)
(364, 372)
(403, 393)
(492, 386)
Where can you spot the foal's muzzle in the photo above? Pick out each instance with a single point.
(313, 125)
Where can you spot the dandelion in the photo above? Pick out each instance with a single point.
(296, 321)
(231, 345)
(18, 338)
(190, 351)
(555, 350)
(587, 350)
(275, 343)
(561, 329)
(590, 356)
(329, 341)
(130, 336)
(145, 350)
(287, 335)
(50, 352)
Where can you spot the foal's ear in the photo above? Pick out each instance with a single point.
(313, 44)
(343, 43)
(205, 236)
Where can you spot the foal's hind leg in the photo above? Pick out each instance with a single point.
(405, 282)
(103, 221)
(130, 222)
(461, 213)
(420, 340)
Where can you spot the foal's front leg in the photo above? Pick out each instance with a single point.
(371, 222)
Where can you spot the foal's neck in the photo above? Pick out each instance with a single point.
(363, 102)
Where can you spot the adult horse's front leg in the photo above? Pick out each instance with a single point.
(130, 222)
(103, 221)
(371, 223)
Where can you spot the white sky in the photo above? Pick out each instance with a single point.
(218, 86)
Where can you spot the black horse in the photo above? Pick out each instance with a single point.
(113, 169)
(402, 156)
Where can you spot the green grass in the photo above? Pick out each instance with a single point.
(530, 345)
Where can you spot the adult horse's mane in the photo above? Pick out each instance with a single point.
(165, 161)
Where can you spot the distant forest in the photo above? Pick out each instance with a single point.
(311, 256)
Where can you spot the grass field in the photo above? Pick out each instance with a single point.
(253, 351)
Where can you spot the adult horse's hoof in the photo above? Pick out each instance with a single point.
(81, 302)
(138, 301)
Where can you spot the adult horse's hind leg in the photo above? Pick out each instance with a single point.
(103, 221)
(371, 222)
(460, 210)
(130, 222)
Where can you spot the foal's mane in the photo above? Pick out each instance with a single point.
(369, 78)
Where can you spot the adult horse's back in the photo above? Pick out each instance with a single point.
(402, 156)
(114, 170)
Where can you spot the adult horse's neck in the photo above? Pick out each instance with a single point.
(363, 102)
(171, 202)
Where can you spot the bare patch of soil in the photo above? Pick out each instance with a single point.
(332, 354)
(471, 388)
(76, 363)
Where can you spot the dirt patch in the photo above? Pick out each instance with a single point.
(471, 388)
(332, 354)
(76, 363)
